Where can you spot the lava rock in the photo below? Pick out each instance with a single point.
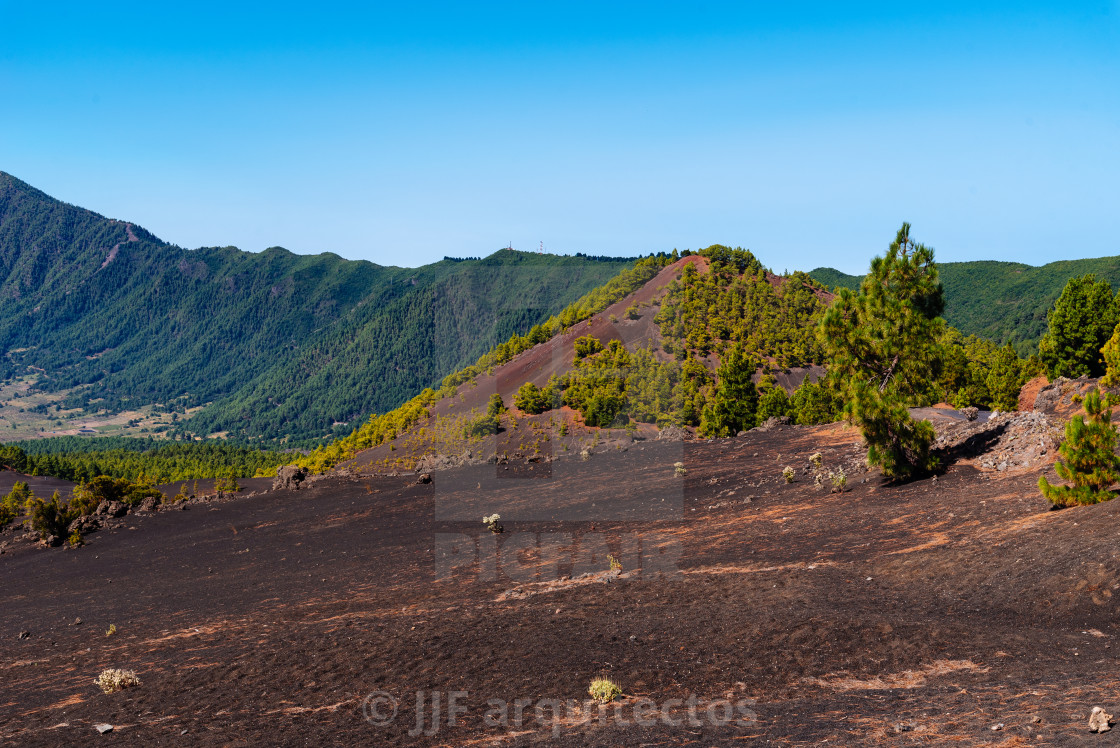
(289, 477)
(1099, 720)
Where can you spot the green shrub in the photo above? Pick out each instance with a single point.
(604, 690)
(773, 403)
(50, 517)
(530, 399)
(12, 505)
(815, 402)
(1091, 464)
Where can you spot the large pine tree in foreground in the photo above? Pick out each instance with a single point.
(882, 346)
(1091, 464)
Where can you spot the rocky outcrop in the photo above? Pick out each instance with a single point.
(672, 433)
(289, 477)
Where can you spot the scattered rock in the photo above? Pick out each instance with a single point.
(1003, 442)
(902, 727)
(423, 478)
(289, 477)
(116, 509)
(672, 433)
(149, 504)
(103, 728)
(87, 524)
(969, 413)
(435, 462)
(24, 635)
(1099, 720)
(996, 727)
(772, 422)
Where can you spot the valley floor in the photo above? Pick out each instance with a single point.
(778, 614)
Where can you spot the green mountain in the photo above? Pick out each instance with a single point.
(269, 345)
(1000, 301)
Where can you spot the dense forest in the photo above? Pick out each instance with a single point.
(148, 461)
(277, 346)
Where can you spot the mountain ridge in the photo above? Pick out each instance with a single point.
(240, 335)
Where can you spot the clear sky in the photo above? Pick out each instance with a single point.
(402, 132)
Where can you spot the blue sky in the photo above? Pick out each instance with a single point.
(804, 131)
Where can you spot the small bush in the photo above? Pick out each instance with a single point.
(483, 425)
(112, 680)
(227, 484)
(679, 469)
(816, 462)
(75, 540)
(839, 480)
(493, 523)
(604, 690)
(112, 629)
(50, 517)
(788, 474)
(613, 562)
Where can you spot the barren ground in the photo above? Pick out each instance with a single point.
(920, 614)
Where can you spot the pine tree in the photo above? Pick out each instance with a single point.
(1005, 379)
(773, 402)
(882, 346)
(1083, 318)
(734, 404)
(1090, 460)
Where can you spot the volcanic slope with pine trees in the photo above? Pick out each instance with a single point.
(712, 343)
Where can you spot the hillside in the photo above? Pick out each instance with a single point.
(1002, 301)
(647, 353)
(108, 318)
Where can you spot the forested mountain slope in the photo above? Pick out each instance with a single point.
(277, 344)
(1001, 301)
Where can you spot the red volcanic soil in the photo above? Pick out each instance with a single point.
(925, 613)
